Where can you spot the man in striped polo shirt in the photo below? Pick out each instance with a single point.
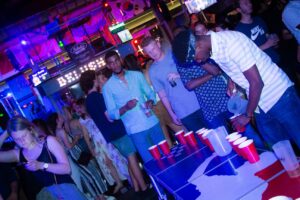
(272, 97)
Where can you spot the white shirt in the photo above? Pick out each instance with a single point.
(236, 53)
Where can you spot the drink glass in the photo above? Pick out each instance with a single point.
(219, 143)
(285, 153)
(147, 111)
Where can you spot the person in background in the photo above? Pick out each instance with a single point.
(256, 29)
(201, 29)
(45, 167)
(131, 63)
(291, 18)
(112, 130)
(108, 157)
(128, 97)
(272, 98)
(79, 149)
(181, 104)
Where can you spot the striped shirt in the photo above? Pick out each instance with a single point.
(235, 54)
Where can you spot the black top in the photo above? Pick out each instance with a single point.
(34, 181)
(95, 106)
(7, 176)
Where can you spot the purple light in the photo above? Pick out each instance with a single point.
(23, 42)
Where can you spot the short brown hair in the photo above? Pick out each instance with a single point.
(146, 41)
(86, 80)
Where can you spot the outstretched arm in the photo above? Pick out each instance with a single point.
(164, 99)
(8, 156)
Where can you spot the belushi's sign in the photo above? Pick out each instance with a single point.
(81, 52)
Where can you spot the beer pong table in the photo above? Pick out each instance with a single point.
(197, 173)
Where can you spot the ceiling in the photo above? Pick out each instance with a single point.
(13, 11)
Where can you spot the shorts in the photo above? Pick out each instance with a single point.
(124, 145)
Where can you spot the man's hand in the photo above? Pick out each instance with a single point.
(128, 106)
(272, 41)
(34, 165)
(176, 120)
(131, 104)
(231, 89)
(240, 121)
(149, 104)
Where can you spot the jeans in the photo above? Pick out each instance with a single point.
(194, 121)
(145, 139)
(282, 121)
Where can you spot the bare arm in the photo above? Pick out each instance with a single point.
(165, 101)
(191, 85)
(87, 139)
(271, 41)
(256, 86)
(62, 166)
(62, 135)
(8, 156)
(3, 137)
(212, 69)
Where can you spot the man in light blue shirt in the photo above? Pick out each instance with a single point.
(128, 97)
(181, 104)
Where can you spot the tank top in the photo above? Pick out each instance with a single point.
(34, 181)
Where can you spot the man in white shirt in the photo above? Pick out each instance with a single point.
(272, 97)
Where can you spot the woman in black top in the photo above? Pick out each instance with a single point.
(44, 165)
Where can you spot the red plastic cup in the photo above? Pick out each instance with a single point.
(206, 141)
(236, 143)
(154, 152)
(163, 145)
(249, 151)
(238, 128)
(231, 135)
(234, 138)
(200, 133)
(190, 138)
(180, 137)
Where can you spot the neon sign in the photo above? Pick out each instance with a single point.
(74, 75)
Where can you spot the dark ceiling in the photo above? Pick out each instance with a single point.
(13, 11)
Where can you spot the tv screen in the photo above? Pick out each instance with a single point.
(125, 35)
(195, 6)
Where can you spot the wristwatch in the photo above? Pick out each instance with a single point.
(45, 166)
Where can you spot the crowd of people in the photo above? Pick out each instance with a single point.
(94, 144)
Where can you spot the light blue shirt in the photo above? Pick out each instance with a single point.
(183, 102)
(116, 94)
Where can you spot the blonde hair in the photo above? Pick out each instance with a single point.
(20, 123)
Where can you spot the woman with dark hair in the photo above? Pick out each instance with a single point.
(80, 152)
(109, 158)
(44, 166)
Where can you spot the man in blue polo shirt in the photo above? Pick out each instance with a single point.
(128, 97)
(112, 131)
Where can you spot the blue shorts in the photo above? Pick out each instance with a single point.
(124, 145)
